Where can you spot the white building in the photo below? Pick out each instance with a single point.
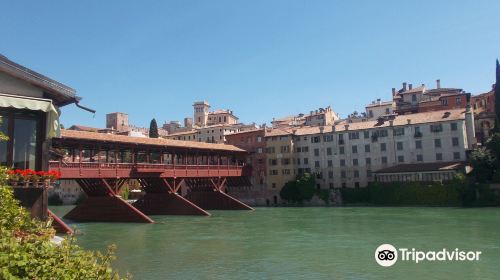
(347, 155)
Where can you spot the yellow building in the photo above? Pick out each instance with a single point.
(280, 160)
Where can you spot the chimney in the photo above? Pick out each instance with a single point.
(393, 91)
(409, 121)
(404, 86)
(346, 127)
(438, 83)
(391, 122)
(310, 113)
(321, 129)
(410, 86)
(333, 128)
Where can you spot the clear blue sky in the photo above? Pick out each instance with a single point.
(262, 59)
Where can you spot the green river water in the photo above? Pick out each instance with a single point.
(300, 243)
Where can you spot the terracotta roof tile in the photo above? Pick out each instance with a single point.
(419, 118)
(84, 135)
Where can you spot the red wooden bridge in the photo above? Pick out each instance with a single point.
(178, 177)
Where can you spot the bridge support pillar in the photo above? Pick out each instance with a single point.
(103, 204)
(162, 198)
(209, 194)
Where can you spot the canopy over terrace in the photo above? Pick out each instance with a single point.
(143, 155)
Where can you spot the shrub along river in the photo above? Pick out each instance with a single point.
(300, 243)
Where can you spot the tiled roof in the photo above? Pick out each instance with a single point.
(413, 90)
(92, 136)
(245, 131)
(83, 128)
(423, 167)
(65, 94)
(418, 118)
(278, 132)
(182, 133)
(383, 103)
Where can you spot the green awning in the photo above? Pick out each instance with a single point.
(35, 104)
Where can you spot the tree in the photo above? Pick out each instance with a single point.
(153, 129)
(299, 190)
(497, 99)
(483, 163)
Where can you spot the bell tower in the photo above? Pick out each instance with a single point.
(201, 113)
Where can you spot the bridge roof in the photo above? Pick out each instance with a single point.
(81, 136)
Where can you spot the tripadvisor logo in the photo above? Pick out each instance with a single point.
(387, 255)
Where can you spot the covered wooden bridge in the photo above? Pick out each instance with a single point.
(178, 177)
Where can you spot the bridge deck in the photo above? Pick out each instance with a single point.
(140, 170)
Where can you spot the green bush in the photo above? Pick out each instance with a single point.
(300, 190)
(457, 192)
(26, 251)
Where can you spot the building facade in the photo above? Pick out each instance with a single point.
(347, 155)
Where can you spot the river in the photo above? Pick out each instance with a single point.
(300, 243)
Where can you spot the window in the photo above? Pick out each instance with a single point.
(418, 144)
(285, 171)
(356, 184)
(23, 150)
(259, 139)
(285, 161)
(306, 161)
(329, 151)
(458, 100)
(298, 149)
(383, 147)
(356, 174)
(367, 148)
(368, 161)
(330, 174)
(316, 164)
(342, 174)
(413, 97)
(456, 155)
(369, 173)
(399, 131)
(355, 162)
(420, 158)
(259, 150)
(382, 133)
(273, 162)
(437, 143)
(344, 185)
(274, 185)
(399, 146)
(274, 172)
(341, 150)
(436, 127)
(305, 149)
(316, 152)
(298, 161)
(366, 134)
(342, 162)
(353, 135)
(444, 102)
(439, 156)
(354, 149)
(330, 163)
(315, 139)
(454, 141)
(341, 139)
(285, 149)
(453, 126)
(401, 159)
(384, 160)
(328, 138)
